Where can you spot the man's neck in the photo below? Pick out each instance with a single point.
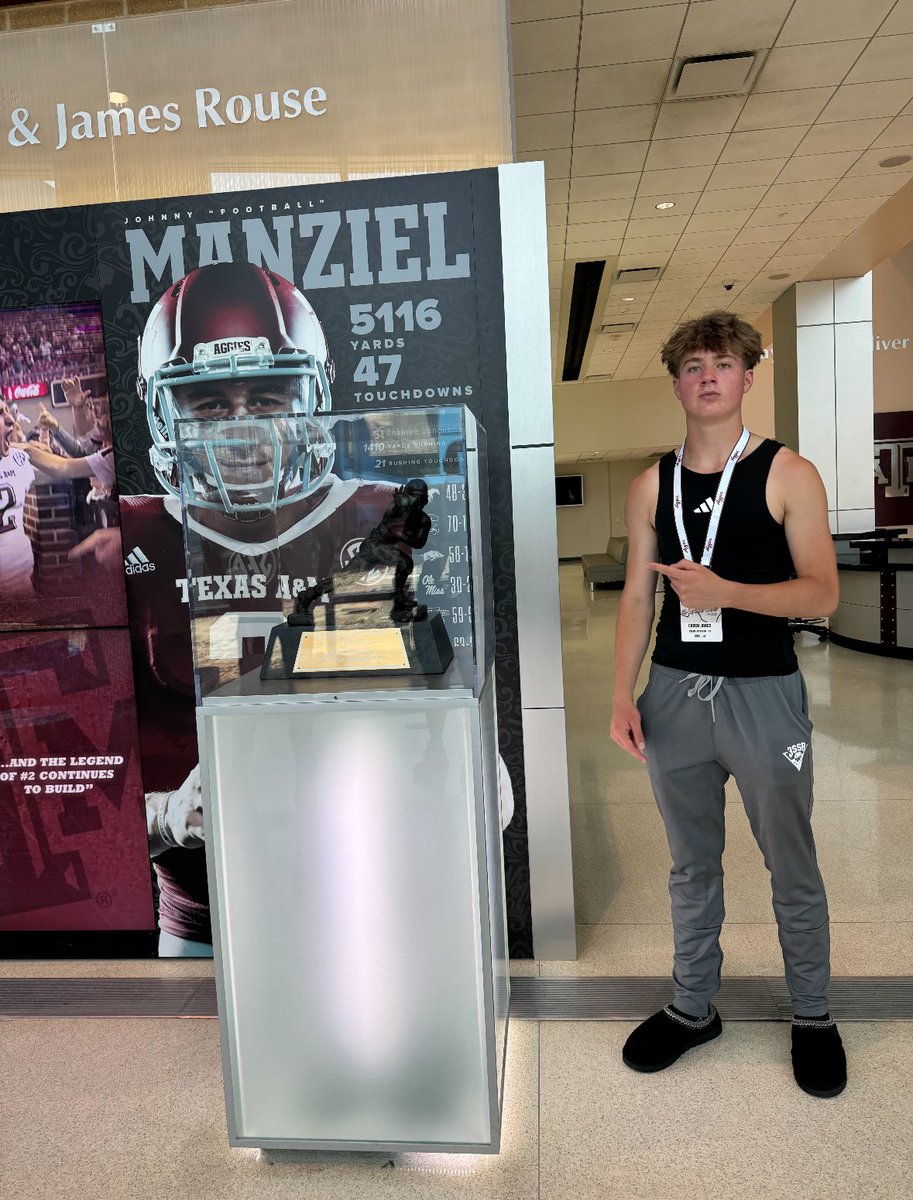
(707, 447)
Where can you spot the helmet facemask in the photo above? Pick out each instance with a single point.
(255, 464)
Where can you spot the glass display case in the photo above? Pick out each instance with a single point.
(353, 547)
(339, 587)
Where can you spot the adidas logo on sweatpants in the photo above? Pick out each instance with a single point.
(796, 754)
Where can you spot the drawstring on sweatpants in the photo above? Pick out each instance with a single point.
(714, 682)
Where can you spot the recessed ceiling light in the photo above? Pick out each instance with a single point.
(663, 204)
(779, 275)
(896, 160)
(627, 299)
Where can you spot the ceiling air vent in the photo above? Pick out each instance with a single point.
(712, 75)
(622, 327)
(637, 275)
(584, 293)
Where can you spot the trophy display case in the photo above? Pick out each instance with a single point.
(339, 588)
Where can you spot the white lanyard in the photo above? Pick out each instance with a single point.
(721, 490)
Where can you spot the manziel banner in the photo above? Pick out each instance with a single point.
(347, 298)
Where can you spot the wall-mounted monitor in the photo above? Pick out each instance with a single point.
(568, 491)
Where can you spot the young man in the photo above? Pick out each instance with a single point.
(89, 460)
(16, 477)
(737, 524)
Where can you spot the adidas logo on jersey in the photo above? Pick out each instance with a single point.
(796, 754)
(136, 561)
(706, 506)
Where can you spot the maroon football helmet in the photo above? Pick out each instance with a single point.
(238, 322)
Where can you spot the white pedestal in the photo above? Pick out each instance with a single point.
(356, 875)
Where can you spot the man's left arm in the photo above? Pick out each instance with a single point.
(815, 592)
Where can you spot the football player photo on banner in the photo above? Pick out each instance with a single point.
(309, 303)
(71, 826)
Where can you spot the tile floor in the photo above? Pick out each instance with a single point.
(104, 1110)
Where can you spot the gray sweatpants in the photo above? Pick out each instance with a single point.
(698, 731)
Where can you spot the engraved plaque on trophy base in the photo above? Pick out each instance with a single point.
(412, 648)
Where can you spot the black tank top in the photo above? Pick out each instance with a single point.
(751, 547)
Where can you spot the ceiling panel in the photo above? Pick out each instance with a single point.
(545, 132)
(634, 35)
(900, 19)
(697, 117)
(699, 241)
(685, 151)
(883, 58)
(790, 67)
(813, 21)
(545, 45)
(796, 193)
(820, 247)
(763, 143)
(599, 210)
(782, 214)
(661, 226)
(659, 245)
(813, 227)
(817, 166)
(729, 199)
(836, 210)
(592, 231)
(604, 187)
(623, 83)
(616, 5)
(600, 126)
(728, 219)
(898, 133)
(603, 160)
(722, 26)
(769, 110)
(855, 101)
(538, 10)
(837, 136)
(556, 190)
(676, 179)
(745, 174)
(544, 92)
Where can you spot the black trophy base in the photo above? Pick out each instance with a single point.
(416, 647)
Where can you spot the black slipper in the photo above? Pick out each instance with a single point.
(819, 1060)
(663, 1038)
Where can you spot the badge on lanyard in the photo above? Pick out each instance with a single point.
(704, 625)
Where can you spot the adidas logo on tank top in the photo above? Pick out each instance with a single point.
(705, 506)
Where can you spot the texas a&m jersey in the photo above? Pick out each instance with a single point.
(16, 558)
(239, 577)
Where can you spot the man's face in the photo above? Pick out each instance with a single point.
(7, 428)
(100, 413)
(246, 450)
(711, 385)
(236, 398)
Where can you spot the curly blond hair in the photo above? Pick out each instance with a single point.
(720, 332)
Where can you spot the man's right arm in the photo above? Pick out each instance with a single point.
(174, 820)
(636, 610)
(83, 419)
